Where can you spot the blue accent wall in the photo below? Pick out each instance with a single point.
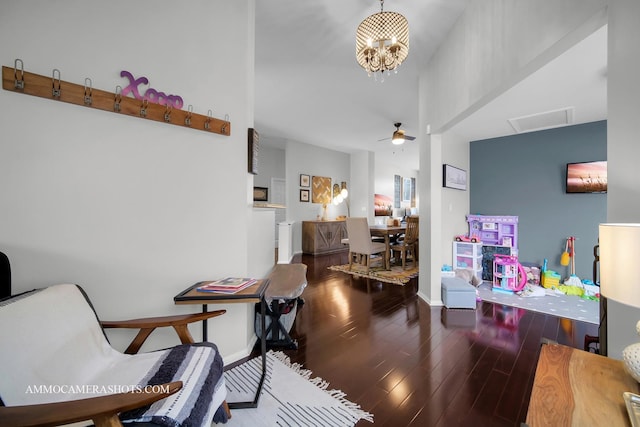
(524, 175)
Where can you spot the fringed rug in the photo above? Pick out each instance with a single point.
(397, 275)
(289, 396)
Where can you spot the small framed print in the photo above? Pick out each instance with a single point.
(305, 180)
(260, 194)
(253, 150)
(453, 177)
(304, 195)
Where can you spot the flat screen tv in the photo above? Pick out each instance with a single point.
(587, 177)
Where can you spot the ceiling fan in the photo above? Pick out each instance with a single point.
(398, 136)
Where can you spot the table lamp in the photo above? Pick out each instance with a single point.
(619, 278)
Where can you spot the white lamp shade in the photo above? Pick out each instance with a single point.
(619, 258)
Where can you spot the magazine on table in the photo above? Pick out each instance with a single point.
(228, 285)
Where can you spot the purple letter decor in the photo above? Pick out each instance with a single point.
(150, 94)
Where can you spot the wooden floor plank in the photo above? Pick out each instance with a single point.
(392, 354)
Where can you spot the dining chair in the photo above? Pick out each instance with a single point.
(360, 242)
(410, 242)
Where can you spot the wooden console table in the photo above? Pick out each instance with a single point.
(323, 237)
(577, 388)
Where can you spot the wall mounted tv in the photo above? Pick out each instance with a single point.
(587, 177)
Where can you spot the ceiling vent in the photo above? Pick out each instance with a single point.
(540, 121)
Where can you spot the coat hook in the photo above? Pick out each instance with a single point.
(223, 128)
(167, 113)
(143, 108)
(187, 120)
(118, 99)
(207, 123)
(55, 88)
(88, 92)
(19, 84)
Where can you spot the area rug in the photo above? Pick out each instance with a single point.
(567, 306)
(397, 275)
(290, 397)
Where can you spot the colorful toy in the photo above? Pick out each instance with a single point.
(465, 238)
(494, 229)
(572, 280)
(550, 279)
(508, 274)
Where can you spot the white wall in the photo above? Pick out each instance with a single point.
(384, 176)
(132, 210)
(362, 182)
(313, 161)
(271, 164)
(430, 214)
(455, 203)
(623, 150)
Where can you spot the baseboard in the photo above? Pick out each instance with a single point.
(232, 358)
(435, 303)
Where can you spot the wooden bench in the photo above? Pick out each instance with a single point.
(286, 283)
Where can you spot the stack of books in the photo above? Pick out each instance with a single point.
(229, 285)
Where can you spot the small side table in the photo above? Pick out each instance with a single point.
(252, 294)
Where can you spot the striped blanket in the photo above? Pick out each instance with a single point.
(199, 367)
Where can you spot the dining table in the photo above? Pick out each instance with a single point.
(387, 231)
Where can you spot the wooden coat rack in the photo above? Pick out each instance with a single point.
(20, 81)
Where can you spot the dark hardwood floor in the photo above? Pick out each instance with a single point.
(408, 363)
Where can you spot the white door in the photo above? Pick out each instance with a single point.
(279, 196)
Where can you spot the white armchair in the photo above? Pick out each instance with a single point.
(57, 366)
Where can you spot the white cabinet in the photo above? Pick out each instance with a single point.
(468, 256)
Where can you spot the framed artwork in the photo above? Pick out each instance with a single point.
(305, 180)
(382, 205)
(253, 147)
(304, 195)
(453, 177)
(260, 194)
(321, 190)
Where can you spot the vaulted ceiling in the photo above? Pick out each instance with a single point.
(310, 89)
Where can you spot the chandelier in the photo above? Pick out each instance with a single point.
(382, 41)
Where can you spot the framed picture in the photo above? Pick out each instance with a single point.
(453, 177)
(304, 195)
(321, 190)
(305, 180)
(260, 194)
(253, 148)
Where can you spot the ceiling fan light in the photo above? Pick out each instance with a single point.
(398, 137)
